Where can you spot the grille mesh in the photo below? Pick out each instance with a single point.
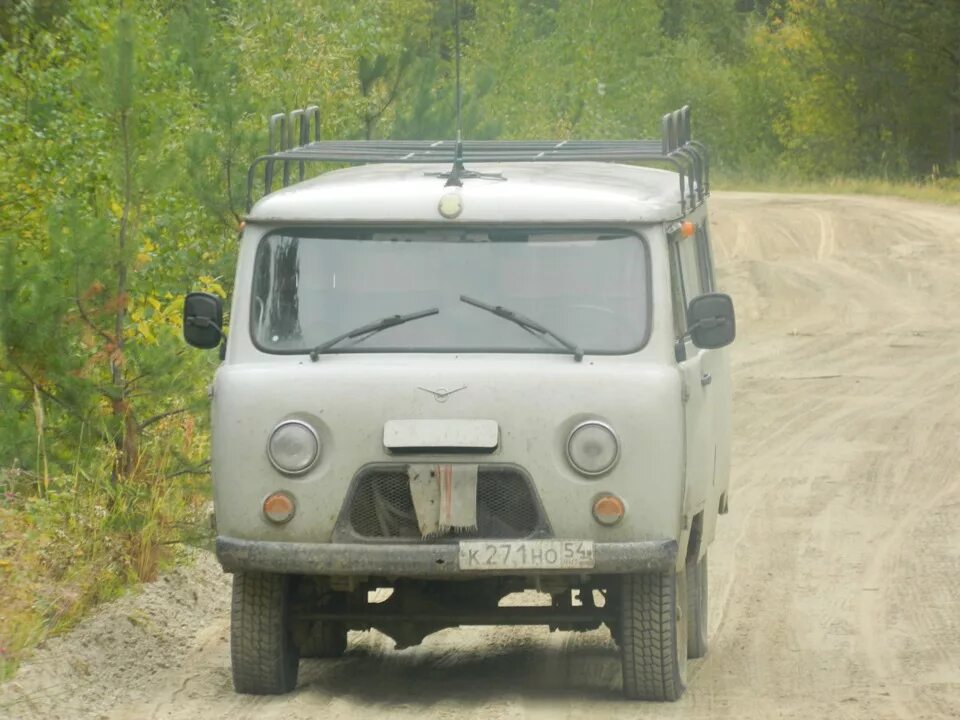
(381, 505)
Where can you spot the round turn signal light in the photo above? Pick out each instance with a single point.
(608, 509)
(279, 507)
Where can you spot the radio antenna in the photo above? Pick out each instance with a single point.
(456, 4)
(458, 173)
(454, 179)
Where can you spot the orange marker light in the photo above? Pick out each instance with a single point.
(279, 507)
(688, 229)
(608, 509)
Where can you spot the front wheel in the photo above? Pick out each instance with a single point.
(263, 653)
(653, 635)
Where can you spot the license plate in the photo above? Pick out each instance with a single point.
(526, 555)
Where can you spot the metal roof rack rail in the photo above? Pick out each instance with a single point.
(294, 140)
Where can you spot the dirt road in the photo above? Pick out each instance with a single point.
(835, 577)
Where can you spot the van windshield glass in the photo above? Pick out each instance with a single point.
(309, 286)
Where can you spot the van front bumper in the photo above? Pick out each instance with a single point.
(437, 560)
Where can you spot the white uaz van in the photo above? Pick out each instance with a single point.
(463, 383)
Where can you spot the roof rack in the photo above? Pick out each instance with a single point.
(291, 147)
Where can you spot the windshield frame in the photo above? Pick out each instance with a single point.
(330, 231)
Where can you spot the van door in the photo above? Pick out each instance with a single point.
(692, 276)
(720, 400)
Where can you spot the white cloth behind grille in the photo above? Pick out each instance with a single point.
(444, 497)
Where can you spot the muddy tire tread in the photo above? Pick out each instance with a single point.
(263, 657)
(647, 643)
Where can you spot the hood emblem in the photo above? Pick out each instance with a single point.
(441, 394)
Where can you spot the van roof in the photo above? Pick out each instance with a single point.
(530, 192)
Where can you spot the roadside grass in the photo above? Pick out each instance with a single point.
(70, 542)
(945, 191)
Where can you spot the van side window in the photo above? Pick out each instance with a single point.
(676, 290)
(691, 274)
(690, 269)
(705, 265)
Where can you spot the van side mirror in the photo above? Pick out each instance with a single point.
(202, 320)
(710, 321)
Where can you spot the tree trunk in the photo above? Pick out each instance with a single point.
(127, 440)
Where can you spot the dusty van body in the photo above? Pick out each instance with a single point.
(461, 391)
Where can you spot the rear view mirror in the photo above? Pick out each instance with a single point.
(202, 320)
(710, 321)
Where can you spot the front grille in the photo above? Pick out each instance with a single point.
(380, 505)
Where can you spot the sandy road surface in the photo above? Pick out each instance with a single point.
(835, 578)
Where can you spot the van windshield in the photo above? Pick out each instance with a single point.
(311, 285)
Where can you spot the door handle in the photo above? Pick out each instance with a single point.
(706, 379)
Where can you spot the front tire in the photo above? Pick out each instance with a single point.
(697, 608)
(652, 629)
(263, 653)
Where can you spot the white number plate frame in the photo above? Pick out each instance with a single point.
(526, 555)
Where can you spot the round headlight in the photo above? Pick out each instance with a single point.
(294, 447)
(593, 448)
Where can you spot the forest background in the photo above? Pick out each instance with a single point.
(126, 129)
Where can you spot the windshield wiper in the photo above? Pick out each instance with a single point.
(526, 323)
(370, 329)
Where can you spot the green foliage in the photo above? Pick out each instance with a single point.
(879, 86)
